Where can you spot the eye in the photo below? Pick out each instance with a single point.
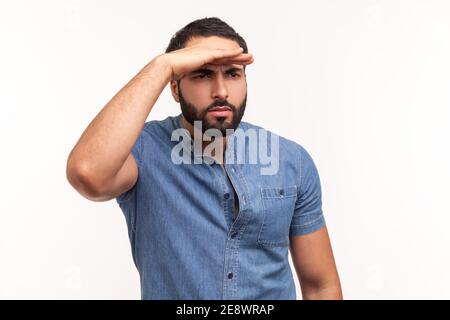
(201, 76)
(234, 74)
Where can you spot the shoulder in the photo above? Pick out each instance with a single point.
(289, 149)
(158, 130)
(158, 126)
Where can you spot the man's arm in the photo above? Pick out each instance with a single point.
(313, 260)
(100, 166)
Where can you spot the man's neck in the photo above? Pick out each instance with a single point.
(195, 131)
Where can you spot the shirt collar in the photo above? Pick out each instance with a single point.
(189, 142)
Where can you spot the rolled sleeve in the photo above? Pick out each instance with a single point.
(136, 151)
(308, 216)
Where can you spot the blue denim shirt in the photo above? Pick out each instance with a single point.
(187, 243)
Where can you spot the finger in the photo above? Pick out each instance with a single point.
(233, 61)
(242, 57)
(220, 53)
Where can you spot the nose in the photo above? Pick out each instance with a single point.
(219, 88)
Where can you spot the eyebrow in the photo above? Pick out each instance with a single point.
(209, 71)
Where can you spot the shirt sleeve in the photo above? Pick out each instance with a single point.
(308, 216)
(136, 151)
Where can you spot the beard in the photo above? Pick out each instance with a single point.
(191, 114)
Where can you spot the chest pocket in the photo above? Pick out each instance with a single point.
(278, 208)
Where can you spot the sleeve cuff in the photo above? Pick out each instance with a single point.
(299, 230)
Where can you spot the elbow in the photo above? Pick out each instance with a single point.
(82, 179)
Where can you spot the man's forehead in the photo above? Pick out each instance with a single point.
(212, 41)
(217, 67)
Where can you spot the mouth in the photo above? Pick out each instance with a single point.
(220, 111)
(220, 108)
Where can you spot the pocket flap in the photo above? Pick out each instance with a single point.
(280, 192)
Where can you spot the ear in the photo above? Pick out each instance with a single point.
(174, 89)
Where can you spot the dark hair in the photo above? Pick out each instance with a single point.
(205, 27)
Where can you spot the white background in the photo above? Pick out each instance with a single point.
(362, 85)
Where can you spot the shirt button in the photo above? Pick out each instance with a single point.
(230, 275)
(226, 195)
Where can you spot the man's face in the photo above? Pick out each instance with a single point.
(212, 86)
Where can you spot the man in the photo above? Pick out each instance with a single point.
(206, 223)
